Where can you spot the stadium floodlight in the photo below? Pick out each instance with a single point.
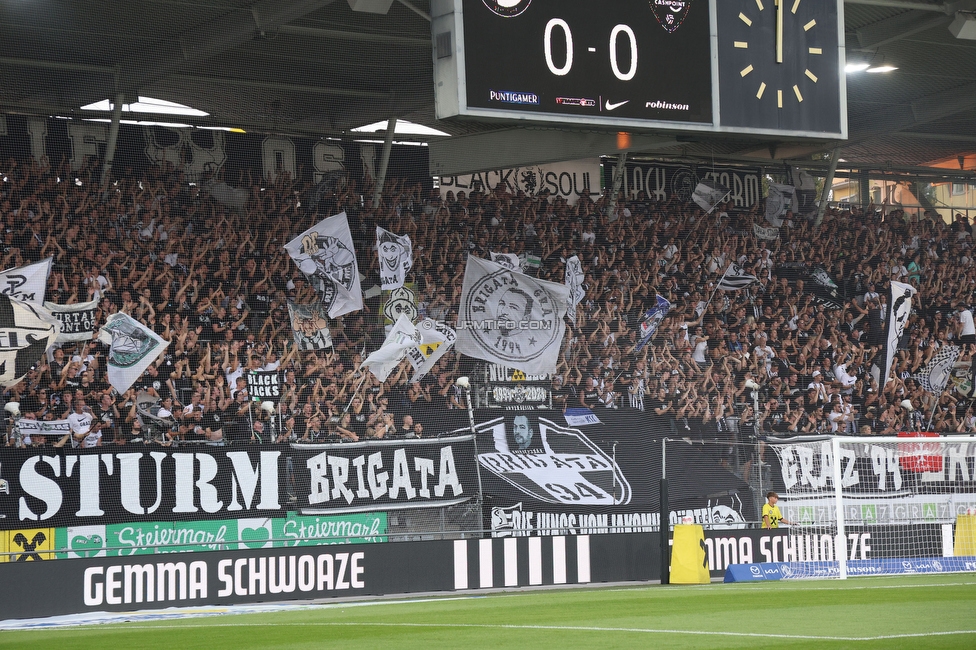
(856, 67)
(882, 68)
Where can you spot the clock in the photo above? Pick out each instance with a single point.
(780, 66)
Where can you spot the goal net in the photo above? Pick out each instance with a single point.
(873, 506)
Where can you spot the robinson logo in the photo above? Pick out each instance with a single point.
(507, 8)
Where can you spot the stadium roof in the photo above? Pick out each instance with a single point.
(317, 67)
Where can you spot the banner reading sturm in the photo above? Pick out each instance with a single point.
(79, 487)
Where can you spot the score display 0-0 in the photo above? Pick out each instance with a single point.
(640, 63)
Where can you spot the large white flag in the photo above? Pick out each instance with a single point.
(435, 340)
(574, 281)
(326, 254)
(402, 337)
(133, 347)
(27, 283)
(396, 258)
(898, 312)
(510, 318)
(26, 332)
(780, 199)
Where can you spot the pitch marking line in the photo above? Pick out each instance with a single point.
(562, 628)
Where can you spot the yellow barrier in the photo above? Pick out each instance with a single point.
(689, 565)
(964, 543)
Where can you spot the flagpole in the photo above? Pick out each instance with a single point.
(715, 290)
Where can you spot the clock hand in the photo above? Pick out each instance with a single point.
(779, 30)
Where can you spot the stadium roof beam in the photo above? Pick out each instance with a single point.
(896, 28)
(365, 37)
(901, 4)
(213, 37)
(67, 66)
(285, 87)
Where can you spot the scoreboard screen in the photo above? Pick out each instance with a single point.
(634, 59)
(682, 65)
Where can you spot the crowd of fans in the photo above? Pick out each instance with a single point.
(215, 282)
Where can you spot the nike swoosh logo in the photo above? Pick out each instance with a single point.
(611, 107)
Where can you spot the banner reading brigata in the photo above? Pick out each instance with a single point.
(77, 487)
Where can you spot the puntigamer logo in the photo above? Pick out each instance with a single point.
(510, 97)
(507, 8)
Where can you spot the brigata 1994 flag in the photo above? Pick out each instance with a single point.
(326, 254)
(510, 318)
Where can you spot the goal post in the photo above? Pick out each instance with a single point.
(890, 504)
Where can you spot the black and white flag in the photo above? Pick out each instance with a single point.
(934, 377)
(574, 280)
(435, 340)
(780, 199)
(326, 254)
(26, 332)
(402, 337)
(27, 283)
(898, 313)
(396, 258)
(510, 261)
(708, 194)
(133, 347)
(310, 326)
(510, 318)
(735, 278)
(77, 321)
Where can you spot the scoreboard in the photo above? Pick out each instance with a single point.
(735, 66)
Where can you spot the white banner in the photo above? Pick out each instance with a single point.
(326, 254)
(396, 258)
(133, 347)
(510, 318)
(569, 180)
(77, 321)
(27, 283)
(765, 233)
(435, 340)
(402, 337)
(26, 332)
(574, 281)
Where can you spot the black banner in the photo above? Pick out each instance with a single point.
(264, 385)
(541, 477)
(102, 486)
(663, 181)
(96, 584)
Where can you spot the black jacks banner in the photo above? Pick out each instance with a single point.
(58, 487)
(264, 385)
(664, 181)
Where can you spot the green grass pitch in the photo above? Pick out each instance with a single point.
(916, 612)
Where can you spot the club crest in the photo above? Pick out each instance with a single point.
(130, 344)
(507, 8)
(670, 13)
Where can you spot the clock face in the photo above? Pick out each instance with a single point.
(779, 65)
